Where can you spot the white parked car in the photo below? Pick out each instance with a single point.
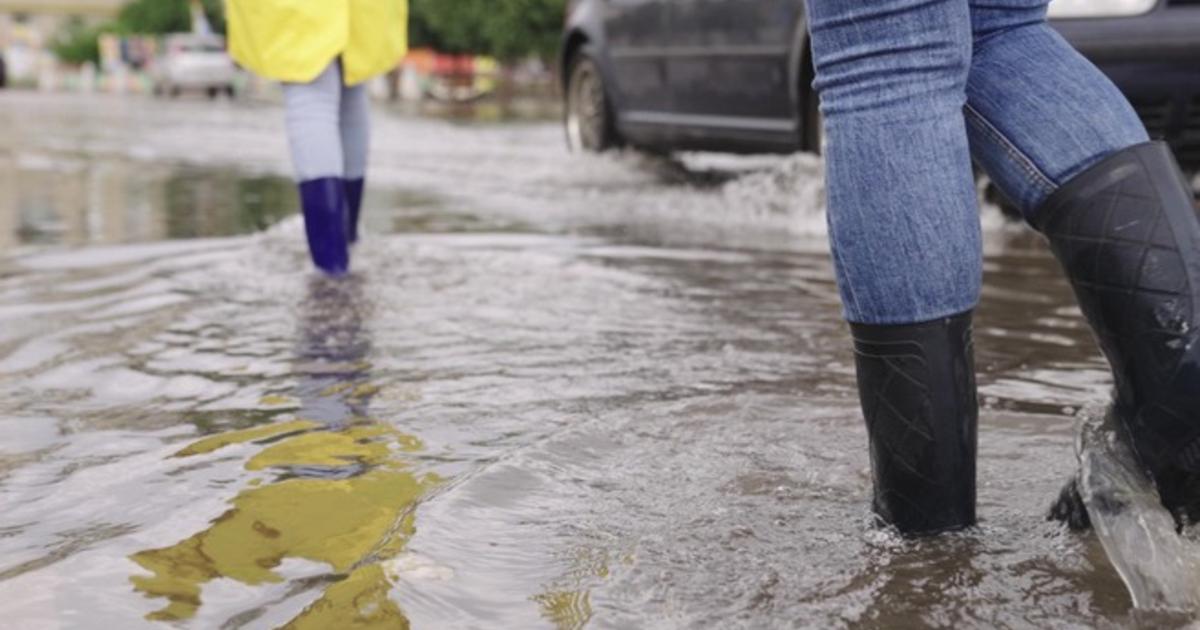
(195, 63)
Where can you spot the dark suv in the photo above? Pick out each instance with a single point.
(736, 75)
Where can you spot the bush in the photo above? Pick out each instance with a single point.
(77, 43)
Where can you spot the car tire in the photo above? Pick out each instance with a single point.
(174, 91)
(589, 120)
(991, 194)
(814, 124)
(230, 92)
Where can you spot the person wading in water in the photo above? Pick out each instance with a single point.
(323, 52)
(911, 91)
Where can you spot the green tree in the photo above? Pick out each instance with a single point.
(159, 17)
(422, 34)
(508, 29)
(526, 27)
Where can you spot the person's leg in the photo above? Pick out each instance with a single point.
(1064, 144)
(356, 132)
(905, 236)
(313, 110)
(1038, 112)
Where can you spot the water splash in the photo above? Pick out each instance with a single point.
(1159, 567)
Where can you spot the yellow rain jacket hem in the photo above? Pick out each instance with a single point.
(295, 40)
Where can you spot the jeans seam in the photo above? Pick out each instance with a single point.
(1035, 175)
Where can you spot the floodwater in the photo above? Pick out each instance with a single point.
(557, 392)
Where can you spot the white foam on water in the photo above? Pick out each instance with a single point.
(794, 188)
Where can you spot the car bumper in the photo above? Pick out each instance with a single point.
(201, 79)
(1155, 60)
(1169, 33)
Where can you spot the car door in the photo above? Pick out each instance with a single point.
(636, 33)
(730, 63)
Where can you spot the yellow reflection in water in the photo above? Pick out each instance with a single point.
(359, 507)
(568, 603)
(210, 444)
(567, 610)
(359, 601)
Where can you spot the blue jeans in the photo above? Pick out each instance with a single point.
(911, 90)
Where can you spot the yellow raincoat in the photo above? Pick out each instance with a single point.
(295, 40)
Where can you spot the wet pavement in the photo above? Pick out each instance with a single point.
(558, 391)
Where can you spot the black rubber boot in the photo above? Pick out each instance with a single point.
(1127, 233)
(917, 385)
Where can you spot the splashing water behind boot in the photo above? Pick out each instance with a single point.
(1159, 567)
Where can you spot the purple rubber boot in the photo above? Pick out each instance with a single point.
(325, 222)
(354, 196)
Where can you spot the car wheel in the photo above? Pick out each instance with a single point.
(230, 92)
(589, 119)
(814, 125)
(991, 194)
(174, 91)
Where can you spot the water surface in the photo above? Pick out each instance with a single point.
(557, 392)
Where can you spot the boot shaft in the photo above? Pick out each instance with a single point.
(917, 388)
(325, 223)
(354, 197)
(1128, 236)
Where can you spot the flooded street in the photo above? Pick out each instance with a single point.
(557, 392)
